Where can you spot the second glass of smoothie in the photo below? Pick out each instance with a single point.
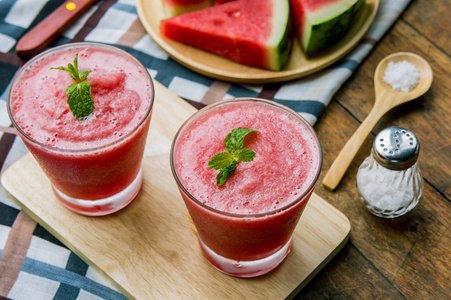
(94, 164)
(245, 226)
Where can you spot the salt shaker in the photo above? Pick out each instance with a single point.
(389, 181)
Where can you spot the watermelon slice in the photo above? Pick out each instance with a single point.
(177, 7)
(322, 23)
(250, 32)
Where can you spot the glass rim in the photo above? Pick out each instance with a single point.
(79, 45)
(310, 188)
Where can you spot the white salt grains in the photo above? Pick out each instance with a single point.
(402, 76)
(384, 190)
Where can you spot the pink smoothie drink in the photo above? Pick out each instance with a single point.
(245, 225)
(94, 164)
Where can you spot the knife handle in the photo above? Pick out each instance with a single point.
(38, 38)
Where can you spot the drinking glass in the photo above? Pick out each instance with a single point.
(243, 245)
(91, 180)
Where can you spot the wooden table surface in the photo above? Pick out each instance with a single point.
(406, 257)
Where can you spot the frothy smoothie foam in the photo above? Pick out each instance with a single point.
(39, 102)
(284, 167)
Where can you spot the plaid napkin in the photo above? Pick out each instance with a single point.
(34, 264)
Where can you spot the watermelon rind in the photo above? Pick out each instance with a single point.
(279, 43)
(326, 26)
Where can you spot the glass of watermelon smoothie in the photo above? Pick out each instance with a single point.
(94, 164)
(245, 225)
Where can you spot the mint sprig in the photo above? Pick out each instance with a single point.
(78, 94)
(226, 162)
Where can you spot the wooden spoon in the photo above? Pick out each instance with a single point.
(38, 38)
(386, 99)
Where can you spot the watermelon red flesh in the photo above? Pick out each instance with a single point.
(322, 23)
(247, 31)
(177, 7)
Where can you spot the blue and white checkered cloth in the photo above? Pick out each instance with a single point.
(48, 269)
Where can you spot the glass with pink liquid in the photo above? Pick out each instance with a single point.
(94, 165)
(245, 226)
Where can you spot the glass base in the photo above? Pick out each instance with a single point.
(245, 269)
(104, 206)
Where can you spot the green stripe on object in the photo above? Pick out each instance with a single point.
(322, 30)
(279, 40)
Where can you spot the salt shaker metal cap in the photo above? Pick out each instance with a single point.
(396, 148)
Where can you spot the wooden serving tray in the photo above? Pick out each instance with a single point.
(149, 250)
(150, 13)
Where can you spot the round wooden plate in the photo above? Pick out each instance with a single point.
(151, 12)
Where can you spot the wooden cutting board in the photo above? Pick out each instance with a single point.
(149, 250)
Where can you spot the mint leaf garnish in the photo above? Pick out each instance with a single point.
(225, 173)
(220, 161)
(234, 140)
(78, 94)
(226, 162)
(244, 154)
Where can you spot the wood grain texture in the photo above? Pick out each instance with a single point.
(430, 18)
(149, 250)
(407, 257)
(428, 116)
(386, 99)
(298, 65)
